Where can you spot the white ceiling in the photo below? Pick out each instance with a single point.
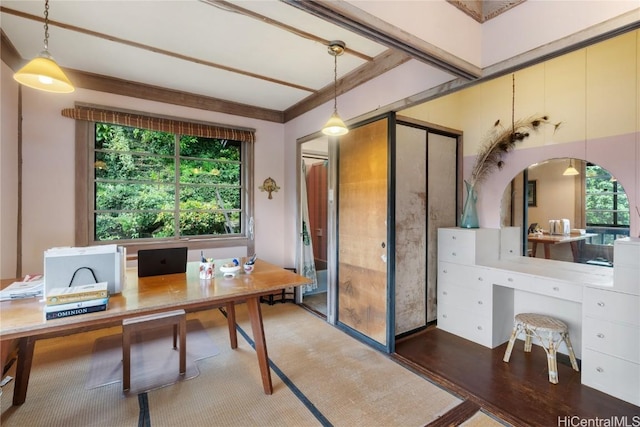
(266, 54)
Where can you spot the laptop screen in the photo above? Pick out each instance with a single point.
(154, 262)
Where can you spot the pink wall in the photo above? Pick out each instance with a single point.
(620, 155)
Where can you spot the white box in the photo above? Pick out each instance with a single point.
(73, 266)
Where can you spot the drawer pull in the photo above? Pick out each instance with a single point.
(509, 279)
(453, 237)
(555, 288)
(444, 293)
(480, 279)
(599, 369)
(600, 304)
(444, 316)
(479, 328)
(600, 335)
(444, 271)
(453, 253)
(479, 302)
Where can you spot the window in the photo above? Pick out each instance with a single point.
(162, 181)
(606, 205)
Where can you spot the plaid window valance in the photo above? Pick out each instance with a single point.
(158, 124)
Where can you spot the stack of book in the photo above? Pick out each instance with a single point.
(75, 300)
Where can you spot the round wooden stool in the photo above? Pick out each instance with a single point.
(551, 333)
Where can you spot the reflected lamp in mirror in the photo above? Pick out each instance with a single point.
(570, 170)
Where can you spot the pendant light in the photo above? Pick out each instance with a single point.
(42, 72)
(571, 170)
(335, 126)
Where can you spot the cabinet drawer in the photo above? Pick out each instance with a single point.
(456, 246)
(509, 279)
(617, 339)
(611, 375)
(627, 279)
(478, 301)
(612, 306)
(557, 289)
(465, 324)
(465, 275)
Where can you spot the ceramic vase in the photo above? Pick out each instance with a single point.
(469, 218)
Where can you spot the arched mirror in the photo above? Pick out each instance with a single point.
(571, 210)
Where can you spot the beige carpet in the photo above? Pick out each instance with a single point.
(154, 361)
(334, 380)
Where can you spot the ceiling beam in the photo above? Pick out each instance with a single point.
(101, 83)
(356, 20)
(382, 63)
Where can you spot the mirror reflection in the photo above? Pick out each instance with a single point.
(572, 210)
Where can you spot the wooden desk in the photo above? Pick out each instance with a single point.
(24, 320)
(551, 239)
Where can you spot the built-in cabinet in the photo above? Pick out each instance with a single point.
(468, 304)
(482, 284)
(611, 332)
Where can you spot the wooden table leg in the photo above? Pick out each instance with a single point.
(231, 323)
(534, 249)
(26, 347)
(547, 251)
(255, 315)
(575, 251)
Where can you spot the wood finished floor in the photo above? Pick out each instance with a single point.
(517, 392)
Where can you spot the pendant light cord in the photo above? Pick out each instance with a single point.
(335, 83)
(46, 25)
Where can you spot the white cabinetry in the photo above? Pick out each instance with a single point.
(611, 328)
(468, 303)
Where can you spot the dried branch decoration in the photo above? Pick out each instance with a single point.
(501, 141)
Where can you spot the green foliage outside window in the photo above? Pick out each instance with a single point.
(152, 185)
(606, 202)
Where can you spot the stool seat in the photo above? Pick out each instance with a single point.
(550, 331)
(177, 318)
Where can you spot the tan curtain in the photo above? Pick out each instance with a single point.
(158, 124)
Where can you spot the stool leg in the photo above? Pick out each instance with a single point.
(527, 340)
(126, 360)
(552, 362)
(512, 340)
(572, 356)
(183, 345)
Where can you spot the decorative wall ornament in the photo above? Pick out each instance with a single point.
(269, 185)
(499, 141)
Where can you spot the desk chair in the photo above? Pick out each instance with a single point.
(177, 318)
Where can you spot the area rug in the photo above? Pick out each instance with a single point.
(154, 361)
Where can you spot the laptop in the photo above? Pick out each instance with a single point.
(155, 262)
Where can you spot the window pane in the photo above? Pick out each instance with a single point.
(193, 223)
(131, 225)
(122, 138)
(135, 181)
(209, 172)
(128, 166)
(207, 148)
(124, 196)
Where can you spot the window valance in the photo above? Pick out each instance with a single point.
(158, 124)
